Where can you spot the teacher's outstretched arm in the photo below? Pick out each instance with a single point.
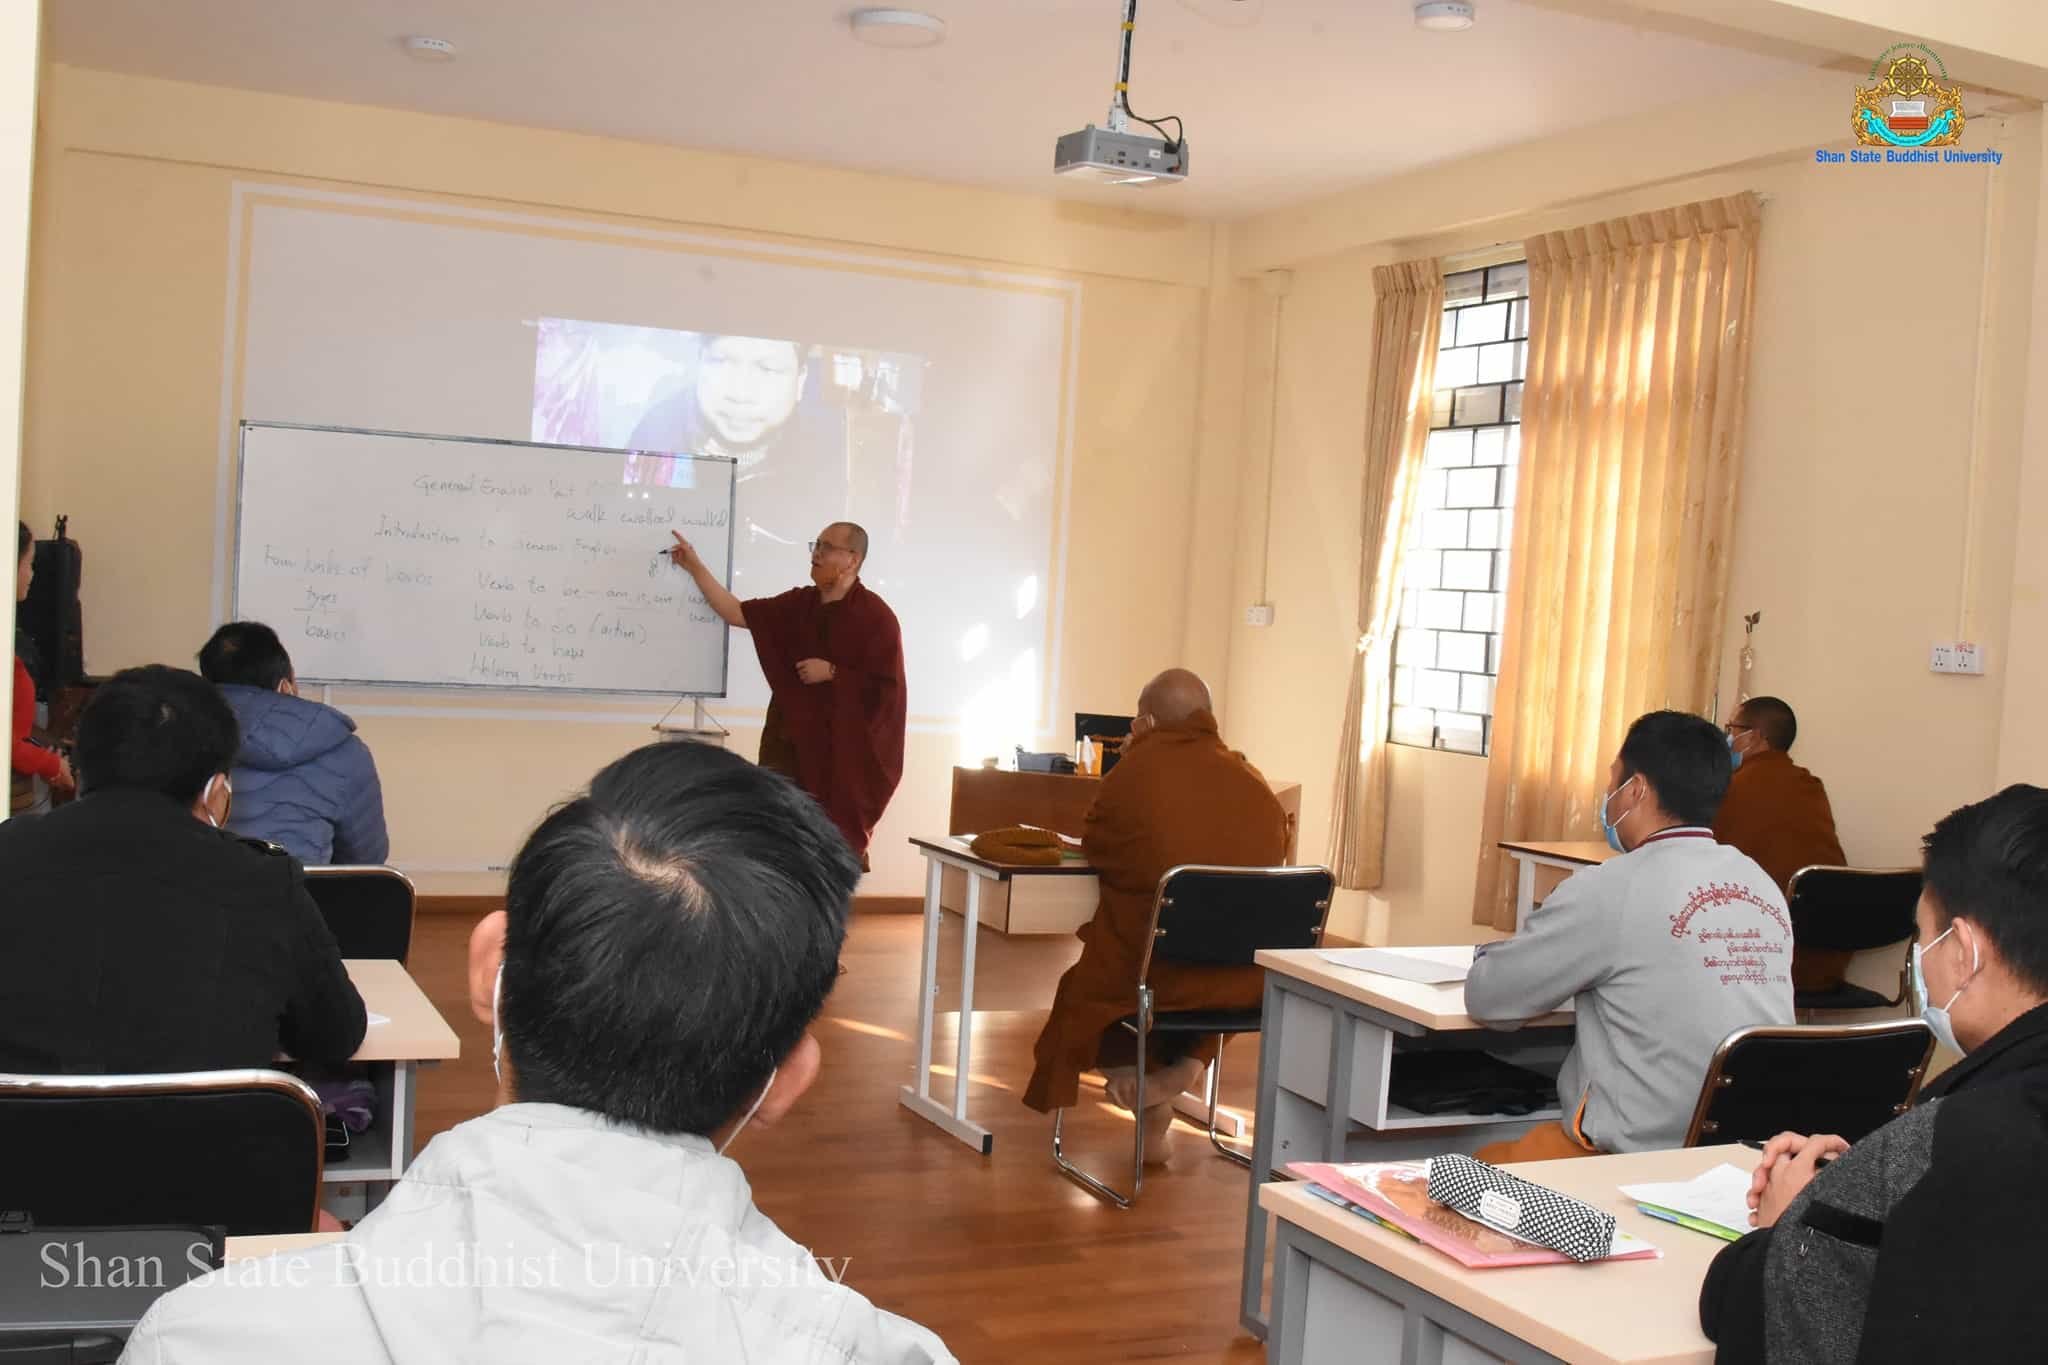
(685, 557)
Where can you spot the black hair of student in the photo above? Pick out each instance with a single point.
(248, 653)
(1988, 862)
(23, 538)
(1772, 719)
(1685, 760)
(669, 937)
(157, 729)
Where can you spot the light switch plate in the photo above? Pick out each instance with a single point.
(1259, 614)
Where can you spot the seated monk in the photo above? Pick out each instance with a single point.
(1777, 812)
(1177, 796)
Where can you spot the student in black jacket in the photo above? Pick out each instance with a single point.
(137, 935)
(1924, 1241)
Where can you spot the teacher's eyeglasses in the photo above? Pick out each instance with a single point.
(818, 546)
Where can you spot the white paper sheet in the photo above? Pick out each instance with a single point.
(1719, 1196)
(1429, 966)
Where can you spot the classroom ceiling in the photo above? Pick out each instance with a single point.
(1284, 100)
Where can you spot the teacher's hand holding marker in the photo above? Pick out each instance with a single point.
(684, 556)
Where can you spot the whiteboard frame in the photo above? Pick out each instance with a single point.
(245, 426)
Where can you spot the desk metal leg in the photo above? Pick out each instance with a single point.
(1252, 1285)
(918, 1098)
(1525, 890)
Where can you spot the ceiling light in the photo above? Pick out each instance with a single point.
(430, 49)
(898, 28)
(1444, 16)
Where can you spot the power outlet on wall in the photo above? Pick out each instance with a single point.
(1960, 656)
(1259, 614)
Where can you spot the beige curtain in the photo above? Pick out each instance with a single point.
(1639, 334)
(1405, 331)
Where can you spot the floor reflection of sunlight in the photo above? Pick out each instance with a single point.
(973, 1078)
(871, 1030)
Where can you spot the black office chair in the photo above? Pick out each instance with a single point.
(1846, 1079)
(238, 1149)
(1852, 909)
(1210, 917)
(369, 909)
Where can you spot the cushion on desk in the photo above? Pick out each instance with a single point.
(1199, 1021)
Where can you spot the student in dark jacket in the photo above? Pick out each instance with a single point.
(1924, 1241)
(303, 779)
(140, 936)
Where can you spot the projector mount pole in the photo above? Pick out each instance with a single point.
(1119, 104)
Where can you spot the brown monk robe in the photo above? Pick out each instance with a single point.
(1777, 812)
(833, 657)
(1177, 796)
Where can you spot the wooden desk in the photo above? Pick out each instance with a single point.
(951, 855)
(1567, 855)
(255, 1248)
(990, 798)
(1339, 1280)
(415, 1034)
(1333, 1039)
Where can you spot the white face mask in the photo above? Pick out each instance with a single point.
(498, 1062)
(206, 797)
(1937, 1015)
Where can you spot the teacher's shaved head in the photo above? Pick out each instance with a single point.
(1173, 696)
(856, 537)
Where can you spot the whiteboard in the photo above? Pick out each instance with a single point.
(393, 557)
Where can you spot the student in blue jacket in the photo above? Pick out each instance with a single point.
(303, 780)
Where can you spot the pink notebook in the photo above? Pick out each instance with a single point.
(1395, 1194)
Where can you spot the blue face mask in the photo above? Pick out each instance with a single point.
(1734, 755)
(1937, 1015)
(1613, 829)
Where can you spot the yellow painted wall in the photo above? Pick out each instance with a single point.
(124, 380)
(1850, 535)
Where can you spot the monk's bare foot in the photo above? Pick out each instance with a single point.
(1120, 1084)
(1158, 1121)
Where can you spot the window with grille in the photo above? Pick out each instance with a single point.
(1455, 574)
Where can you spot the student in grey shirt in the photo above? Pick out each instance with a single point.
(1664, 951)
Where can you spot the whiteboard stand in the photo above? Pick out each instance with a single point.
(701, 728)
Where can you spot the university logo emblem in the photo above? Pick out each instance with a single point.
(1908, 106)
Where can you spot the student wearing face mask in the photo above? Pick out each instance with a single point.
(1923, 1242)
(667, 940)
(138, 935)
(1665, 951)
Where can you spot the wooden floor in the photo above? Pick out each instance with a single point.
(1000, 1255)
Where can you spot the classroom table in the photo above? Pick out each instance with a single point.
(254, 1248)
(1333, 1037)
(413, 1034)
(952, 854)
(1339, 1280)
(1565, 855)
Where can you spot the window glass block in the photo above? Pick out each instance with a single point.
(1489, 445)
(1488, 322)
(1445, 531)
(1514, 453)
(1493, 645)
(1461, 734)
(1462, 652)
(1518, 319)
(1475, 692)
(1412, 725)
(1404, 685)
(1507, 281)
(1468, 571)
(1512, 412)
(1443, 610)
(1477, 407)
(1484, 532)
(1471, 488)
(1423, 569)
(1431, 491)
(1415, 648)
(1449, 448)
(1482, 613)
(1460, 366)
(1440, 408)
(1500, 570)
(1467, 286)
(1496, 363)
(1436, 688)
(1411, 602)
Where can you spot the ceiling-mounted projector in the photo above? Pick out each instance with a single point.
(1114, 155)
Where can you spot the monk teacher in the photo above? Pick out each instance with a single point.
(1177, 795)
(833, 656)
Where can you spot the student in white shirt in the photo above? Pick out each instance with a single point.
(1664, 951)
(666, 941)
